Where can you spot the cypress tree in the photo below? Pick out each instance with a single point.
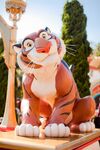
(97, 50)
(77, 47)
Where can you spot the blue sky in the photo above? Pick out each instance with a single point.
(42, 13)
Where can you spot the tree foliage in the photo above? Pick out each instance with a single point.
(18, 83)
(77, 47)
(97, 50)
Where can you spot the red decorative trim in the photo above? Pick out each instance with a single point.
(6, 129)
(96, 89)
(87, 144)
(93, 68)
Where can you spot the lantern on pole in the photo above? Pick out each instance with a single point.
(15, 8)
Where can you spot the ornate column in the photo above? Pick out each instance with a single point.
(15, 8)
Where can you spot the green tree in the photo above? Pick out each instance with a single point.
(18, 83)
(3, 80)
(97, 50)
(77, 47)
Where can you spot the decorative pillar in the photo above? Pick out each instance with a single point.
(15, 8)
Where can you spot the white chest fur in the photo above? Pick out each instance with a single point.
(44, 86)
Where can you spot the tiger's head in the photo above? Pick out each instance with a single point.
(39, 49)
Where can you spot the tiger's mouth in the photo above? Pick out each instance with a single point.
(29, 63)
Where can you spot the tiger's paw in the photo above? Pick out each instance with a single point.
(57, 130)
(87, 127)
(27, 130)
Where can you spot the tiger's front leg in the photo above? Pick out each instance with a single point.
(30, 111)
(62, 111)
(61, 117)
(30, 118)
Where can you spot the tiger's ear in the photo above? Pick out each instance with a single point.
(47, 30)
(17, 47)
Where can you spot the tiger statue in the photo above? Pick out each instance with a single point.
(49, 90)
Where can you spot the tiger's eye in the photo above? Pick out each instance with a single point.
(28, 44)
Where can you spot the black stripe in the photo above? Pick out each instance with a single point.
(26, 39)
(65, 113)
(30, 108)
(17, 45)
(24, 54)
(27, 62)
(26, 91)
(67, 103)
(69, 91)
(28, 114)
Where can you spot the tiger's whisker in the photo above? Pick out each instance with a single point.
(71, 49)
(26, 67)
(70, 53)
(70, 45)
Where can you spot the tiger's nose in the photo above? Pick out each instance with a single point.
(42, 45)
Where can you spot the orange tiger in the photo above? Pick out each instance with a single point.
(49, 90)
